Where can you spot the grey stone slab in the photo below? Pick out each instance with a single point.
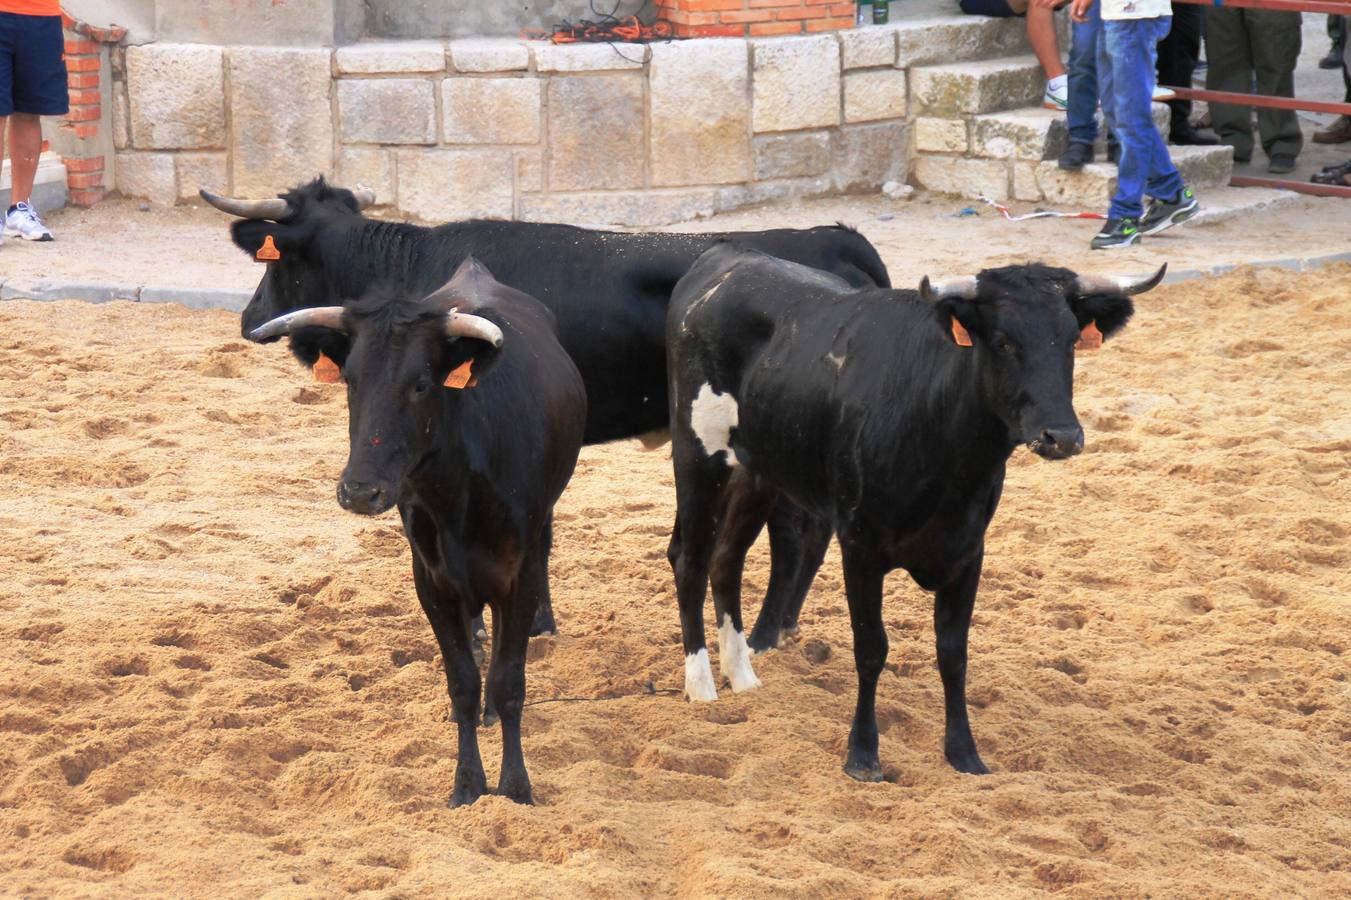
(796, 83)
(55, 289)
(700, 110)
(595, 132)
(282, 120)
(199, 298)
(387, 110)
(177, 96)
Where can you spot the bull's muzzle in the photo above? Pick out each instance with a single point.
(1058, 443)
(365, 498)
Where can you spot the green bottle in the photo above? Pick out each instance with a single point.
(881, 12)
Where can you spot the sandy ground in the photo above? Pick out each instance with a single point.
(213, 681)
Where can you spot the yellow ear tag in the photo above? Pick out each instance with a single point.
(326, 371)
(1090, 338)
(268, 252)
(462, 377)
(959, 334)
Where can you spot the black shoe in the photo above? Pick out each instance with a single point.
(1190, 137)
(1161, 214)
(1076, 156)
(1115, 233)
(1281, 164)
(1333, 60)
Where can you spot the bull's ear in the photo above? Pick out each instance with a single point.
(265, 241)
(1110, 312)
(958, 319)
(466, 361)
(308, 344)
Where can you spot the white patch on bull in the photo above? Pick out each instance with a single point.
(707, 295)
(699, 677)
(712, 418)
(734, 657)
(652, 440)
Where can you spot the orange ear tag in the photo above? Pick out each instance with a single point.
(326, 371)
(1090, 338)
(462, 377)
(959, 334)
(268, 252)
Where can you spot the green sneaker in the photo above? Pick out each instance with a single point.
(1122, 232)
(1161, 214)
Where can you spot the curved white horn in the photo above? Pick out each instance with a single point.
(365, 197)
(464, 325)
(322, 316)
(1118, 284)
(272, 210)
(964, 288)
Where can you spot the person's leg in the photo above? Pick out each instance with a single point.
(1131, 46)
(25, 146)
(1276, 40)
(1081, 114)
(1163, 182)
(1041, 35)
(1230, 58)
(1178, 54)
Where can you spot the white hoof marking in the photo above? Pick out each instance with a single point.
(699, 678)
(734, 658)
(712, 418)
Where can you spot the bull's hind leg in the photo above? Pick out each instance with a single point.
(797, 544)
(506, 679)
(742, 518)
(863, 574)
(952, 623)
(448, 621)
(544, 616)
(698, 484)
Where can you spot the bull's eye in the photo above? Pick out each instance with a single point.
(421, 387)
(1005, 346)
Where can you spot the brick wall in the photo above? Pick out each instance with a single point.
(84, 140)
(754, 18)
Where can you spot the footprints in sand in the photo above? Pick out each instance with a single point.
(101, 859)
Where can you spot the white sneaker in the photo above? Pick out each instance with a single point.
(1057, 96)
(23, 222)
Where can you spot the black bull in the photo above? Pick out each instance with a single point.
(609, 290)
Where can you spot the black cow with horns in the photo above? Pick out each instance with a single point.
(474, 467)
(609, 291)
(889, 414)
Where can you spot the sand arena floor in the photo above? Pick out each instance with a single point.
(215, 682)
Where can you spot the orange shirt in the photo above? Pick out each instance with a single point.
(31, 7)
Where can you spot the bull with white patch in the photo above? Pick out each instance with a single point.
(889, 413)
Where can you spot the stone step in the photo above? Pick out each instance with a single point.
(49, 188)
(972, 88)
(1201, 168)
(1034, 133)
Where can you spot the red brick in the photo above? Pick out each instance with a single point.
(85, 164)
(85, 98)
(82, 129)
(83, 80)
(815, 12)
(84, 182)
(711, 30)
(830, 24)
(87, 198)
(84, 114)
(762, 29)
(842, 9)
(758, 15)
(774, 4)
(82, 64)
(81, 48)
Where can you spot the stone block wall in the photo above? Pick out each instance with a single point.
(627, 135)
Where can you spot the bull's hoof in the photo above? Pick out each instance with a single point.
(865, 772)
(968, 762)
(544, 622)
(468, 788)
(516, 788)
(762, 643)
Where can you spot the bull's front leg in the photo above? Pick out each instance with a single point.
(506, 677)
(953, 604)
(449, 622)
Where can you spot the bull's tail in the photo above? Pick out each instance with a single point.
(863, 256)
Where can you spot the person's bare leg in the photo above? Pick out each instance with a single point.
(25, 146)
(1041, 34)
(4, 126)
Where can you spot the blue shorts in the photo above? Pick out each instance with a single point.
(32, 66)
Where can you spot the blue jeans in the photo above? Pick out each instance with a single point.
(1081, 114)
(1126, 58)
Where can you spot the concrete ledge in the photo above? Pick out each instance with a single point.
(100, 292)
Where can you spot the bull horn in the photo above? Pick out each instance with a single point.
(320, 316)
(460, 324)
(1118, 284)
(272, 210)
(963, 288)
(365, 197)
